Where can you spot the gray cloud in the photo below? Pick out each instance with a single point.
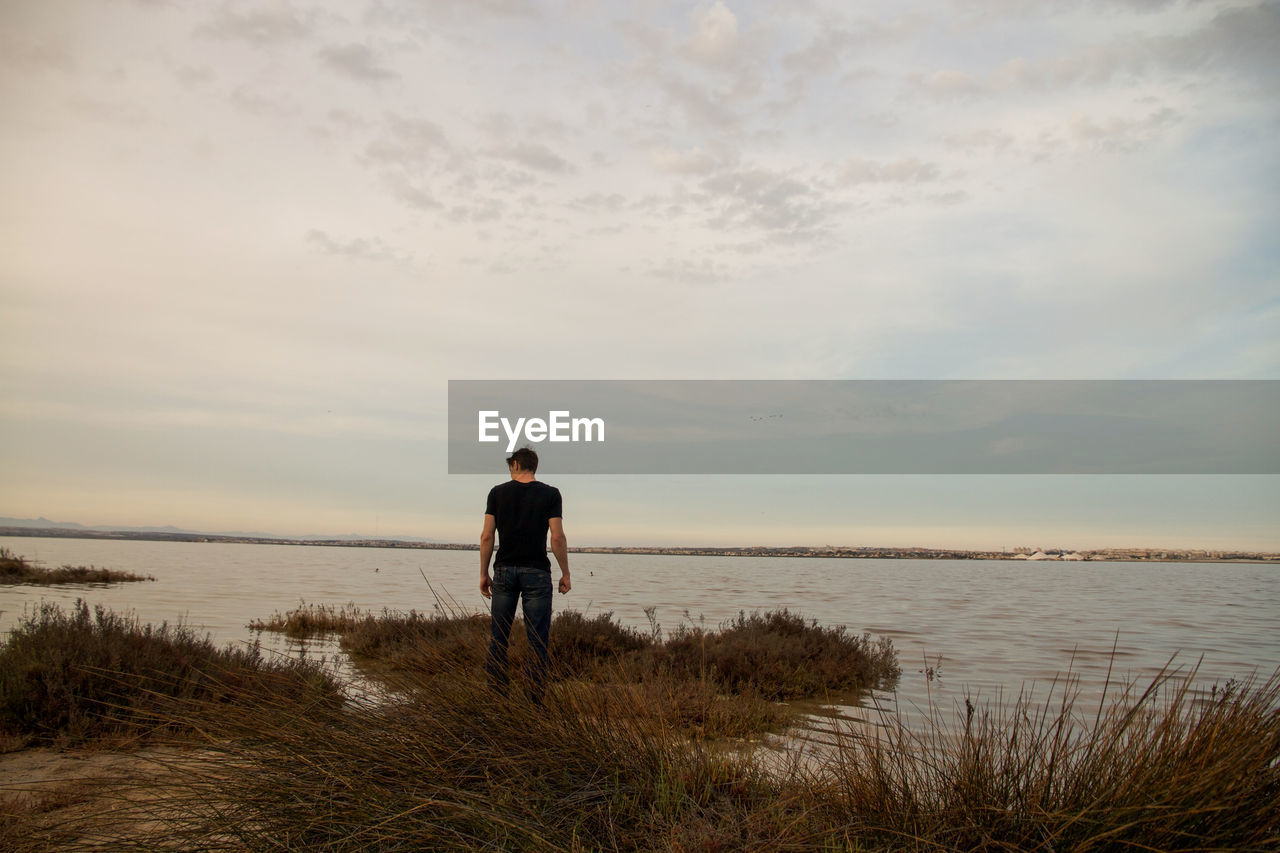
(409, 192)
(783, 206)
(909, 170)
(408, 142)
(612, 203)
(21, 50)
(262, 23)
(822, 55)
(985, 139)
(1122, 134)
(479, 210)
(692, 161)
(255, 103)
(360, 249)
(533, 155)
(114, 112)
(701, 105)
(356, 61)
(688, 271)
(1240, 40)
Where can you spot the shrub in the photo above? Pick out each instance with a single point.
(16, 570)
(69, 677)
(780, 655)
(447, 765)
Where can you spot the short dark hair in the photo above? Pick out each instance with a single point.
(525, 458)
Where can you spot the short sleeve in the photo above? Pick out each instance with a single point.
(491, 502)
(554, 508)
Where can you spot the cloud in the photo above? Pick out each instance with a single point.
(822, 55)
(408, 142)
(1239, 41)
(1242, 38)
(691, 161)
(113, 112)
(251, 102)
(701, 105)
(612, 203)
(478, 210)
(984, 139)
(356, 61)
(1121, 134)
(785, 207)
(533, 155)
(263, 23)
(20, 50)
(948, 83)
(715, 38)
(687, 271)
(411, 193)
(909, 170)
(360, 248)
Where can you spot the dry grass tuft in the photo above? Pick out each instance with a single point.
(17, 570)
(73, 677)
(618, 759)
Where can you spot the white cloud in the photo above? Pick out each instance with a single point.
(694, 161)
(715, 36)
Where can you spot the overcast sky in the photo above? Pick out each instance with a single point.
(244, 246)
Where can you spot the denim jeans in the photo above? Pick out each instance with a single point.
(532, 586)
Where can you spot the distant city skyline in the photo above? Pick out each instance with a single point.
(246, 246)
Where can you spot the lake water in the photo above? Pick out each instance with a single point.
(985, 628)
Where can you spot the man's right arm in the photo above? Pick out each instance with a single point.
(486, 553)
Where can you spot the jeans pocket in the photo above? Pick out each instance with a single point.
(535, 582)
(504, 580)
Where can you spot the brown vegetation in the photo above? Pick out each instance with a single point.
(17, 570)
(441, 762)
(69, 678)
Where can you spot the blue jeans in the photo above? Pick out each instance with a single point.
(533, 587)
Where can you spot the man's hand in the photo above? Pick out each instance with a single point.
(565, 585)
(484, 585)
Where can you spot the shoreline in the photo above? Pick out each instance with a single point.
(1056, 555)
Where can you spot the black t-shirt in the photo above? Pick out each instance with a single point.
(523, 512)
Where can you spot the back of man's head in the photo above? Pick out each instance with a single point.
(525, 459)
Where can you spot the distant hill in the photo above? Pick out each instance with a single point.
(43, 523)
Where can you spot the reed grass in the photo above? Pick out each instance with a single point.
(15, 569)
(772, 655)
(449, 765)
(1159, 767)
(441, 762)
(77, 676)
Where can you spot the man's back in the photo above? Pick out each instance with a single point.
(522, 512)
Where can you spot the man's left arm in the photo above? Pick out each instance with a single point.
(486, 553)
(560, 548)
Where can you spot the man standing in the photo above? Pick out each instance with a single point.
(521, 511)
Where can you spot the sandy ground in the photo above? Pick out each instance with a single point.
(85, 799)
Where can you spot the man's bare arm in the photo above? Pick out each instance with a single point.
(560, 548)
(486, 553)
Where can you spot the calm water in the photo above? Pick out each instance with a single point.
(984, 627)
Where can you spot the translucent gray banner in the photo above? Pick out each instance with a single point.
(868, 426)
